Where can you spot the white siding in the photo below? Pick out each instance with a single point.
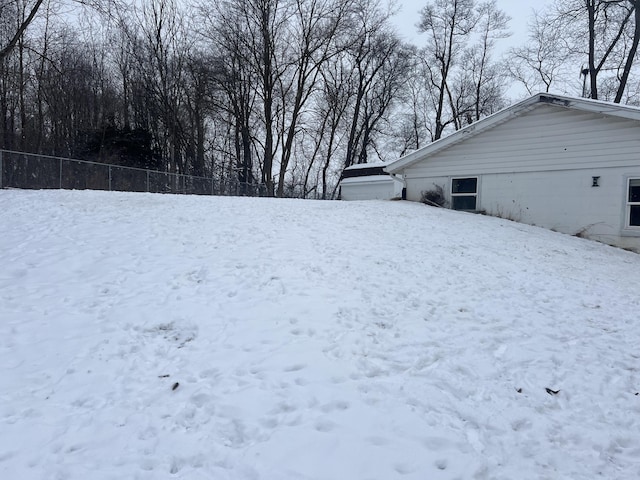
(545, 138)
(538, 169)
(368, 188)
(417, 186)
(563, 201)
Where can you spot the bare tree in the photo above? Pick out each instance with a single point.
(462, 81)
(607, 22)
(373, 48)
(328, 136)
(543, 61)
(11, 10)
(633, 50)
(485, 77)
(199, 81)
(161, 51)
(314, 27)
(596, 32)
(266, 21)
(234, 98)
(447, 24)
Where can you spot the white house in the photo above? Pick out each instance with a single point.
(568, 164)
(368, 181)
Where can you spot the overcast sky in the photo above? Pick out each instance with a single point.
(518, 10)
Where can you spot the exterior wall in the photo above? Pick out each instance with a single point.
(538, 169)
(417, 186)
(564, 201)
(545, 138)
(368, 188)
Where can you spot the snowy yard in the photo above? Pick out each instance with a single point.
(157, 337)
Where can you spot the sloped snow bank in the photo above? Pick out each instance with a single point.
(155, 336)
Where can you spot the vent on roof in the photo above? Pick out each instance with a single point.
(554, 100)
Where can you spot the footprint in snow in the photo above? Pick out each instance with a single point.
(404, 469)
(441, 464)
(332, 406)
(295, 367)
(324, 426)
(175, 466)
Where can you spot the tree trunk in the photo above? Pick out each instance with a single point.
(593, 72)
(632, 53)
(268, 86)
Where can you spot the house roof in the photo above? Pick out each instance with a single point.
(587, 105)
(364, 170)
(359, 166)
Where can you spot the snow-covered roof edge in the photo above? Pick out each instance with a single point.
(359, 166)
(515, 110)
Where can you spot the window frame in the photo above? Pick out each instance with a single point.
(629, 204)
(465, 194)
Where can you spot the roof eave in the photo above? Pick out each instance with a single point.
(593, 106)
(462, 134)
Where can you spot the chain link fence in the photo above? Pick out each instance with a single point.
(31, 171)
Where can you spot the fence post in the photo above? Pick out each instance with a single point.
(109, 177)
(60, 173)
(1, 170)
(147, 181)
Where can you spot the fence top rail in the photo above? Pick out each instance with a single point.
(100, 163)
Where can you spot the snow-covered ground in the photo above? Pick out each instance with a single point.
(156, 337)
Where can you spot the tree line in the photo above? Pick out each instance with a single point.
(285, 94)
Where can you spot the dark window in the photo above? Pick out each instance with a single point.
(634, 218)
(464, 185)
(634, 202)
(634, 190)
(464, 203)
(464, 193)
